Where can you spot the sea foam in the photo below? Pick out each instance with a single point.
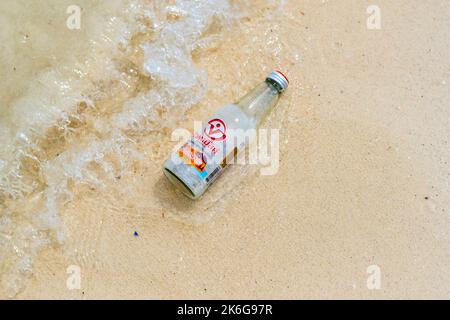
(76, 100)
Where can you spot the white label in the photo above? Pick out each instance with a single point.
(209, 150)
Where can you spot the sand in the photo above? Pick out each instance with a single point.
(363, 177)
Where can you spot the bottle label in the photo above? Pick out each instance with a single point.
(209, 150)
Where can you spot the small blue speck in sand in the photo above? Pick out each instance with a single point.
(136, 234)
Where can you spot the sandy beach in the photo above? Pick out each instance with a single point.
(362, 185)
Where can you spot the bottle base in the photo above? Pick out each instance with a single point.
(180, 184)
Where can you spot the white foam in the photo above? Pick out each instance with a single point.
(38, 116)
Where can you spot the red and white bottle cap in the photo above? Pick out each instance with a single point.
(279, 78)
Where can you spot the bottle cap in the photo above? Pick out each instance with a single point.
(279, 78)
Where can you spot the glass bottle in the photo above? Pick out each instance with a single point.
(200, 161)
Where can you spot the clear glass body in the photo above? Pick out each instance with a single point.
(258, 102)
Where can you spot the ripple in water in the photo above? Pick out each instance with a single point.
(85, 108)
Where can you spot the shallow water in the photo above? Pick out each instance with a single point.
(86, 125)
(92, 109)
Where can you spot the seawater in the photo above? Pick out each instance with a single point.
(77, 107)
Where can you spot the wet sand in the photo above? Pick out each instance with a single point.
(363, 178)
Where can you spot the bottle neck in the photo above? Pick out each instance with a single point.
(258, 102)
